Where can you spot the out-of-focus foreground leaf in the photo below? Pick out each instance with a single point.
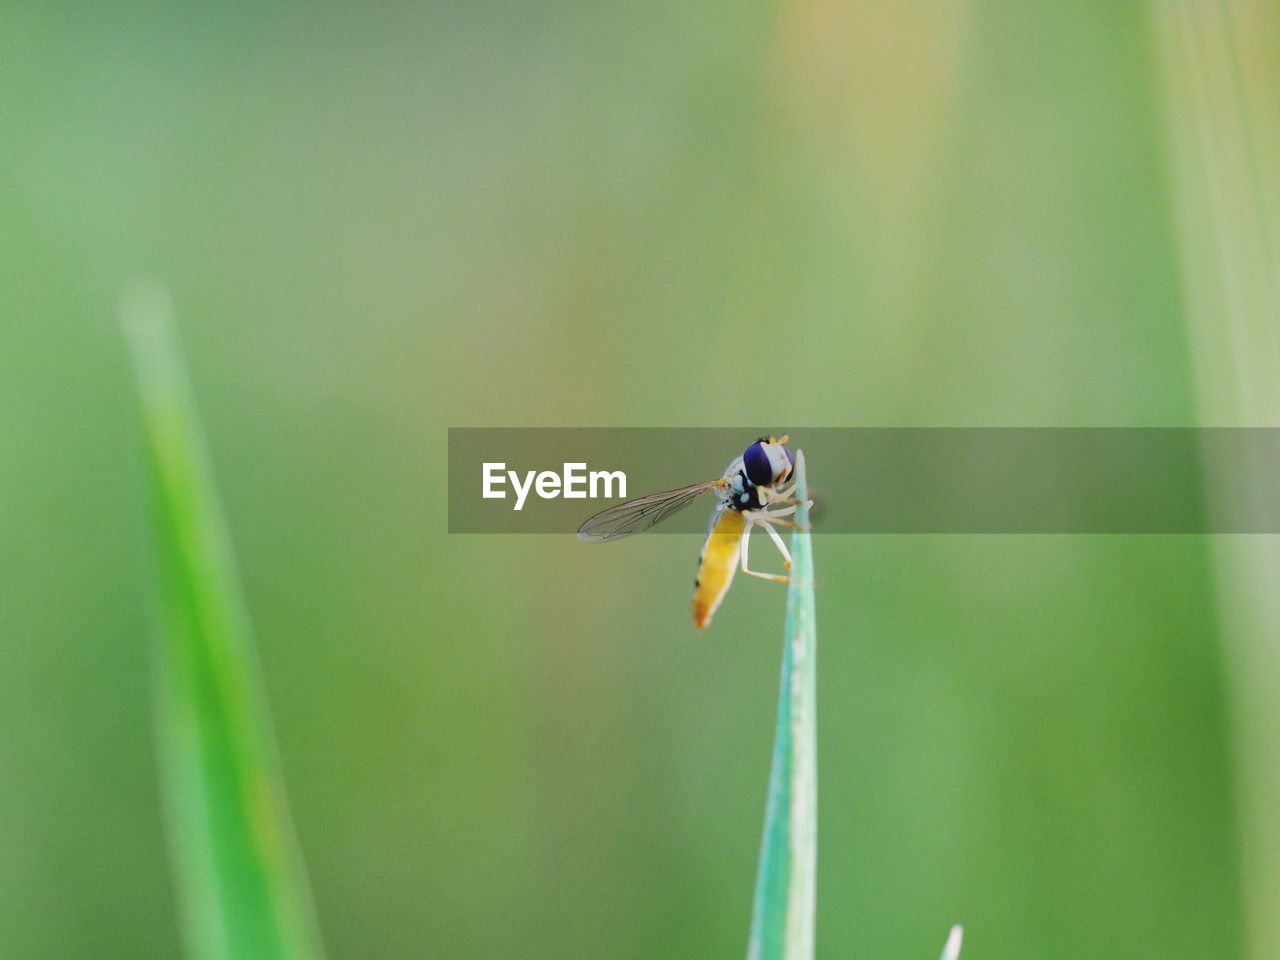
(1221, 71)
(241, 885)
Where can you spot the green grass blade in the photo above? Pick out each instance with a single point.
(951, 951)
(783, 911)
(1221, 68)
(241, 886)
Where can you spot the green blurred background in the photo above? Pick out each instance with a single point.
(380, 222)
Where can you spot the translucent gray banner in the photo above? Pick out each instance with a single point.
(885, 480)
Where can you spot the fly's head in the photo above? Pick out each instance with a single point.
(768, 462)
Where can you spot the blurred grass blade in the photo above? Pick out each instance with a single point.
(1221, 71)
(782, 915)
(951, 950)
(241, 886)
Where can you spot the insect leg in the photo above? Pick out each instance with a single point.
(790, 502)
(776, 516)
(746, 540)
(777, 542)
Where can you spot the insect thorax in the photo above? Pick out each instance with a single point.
(742, 493)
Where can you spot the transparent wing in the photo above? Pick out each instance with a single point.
(635, 516)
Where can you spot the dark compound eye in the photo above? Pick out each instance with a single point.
(756, 462)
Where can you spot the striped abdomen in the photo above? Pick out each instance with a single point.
(717, 565)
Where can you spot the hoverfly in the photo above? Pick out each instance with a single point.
(753, 492)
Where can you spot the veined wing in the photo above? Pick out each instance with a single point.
(635, 516)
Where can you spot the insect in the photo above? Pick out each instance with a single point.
(753, 493)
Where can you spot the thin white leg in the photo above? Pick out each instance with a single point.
(746, 540)
(777, 542)
(788, 502)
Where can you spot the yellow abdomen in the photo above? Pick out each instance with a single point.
(717, 565)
